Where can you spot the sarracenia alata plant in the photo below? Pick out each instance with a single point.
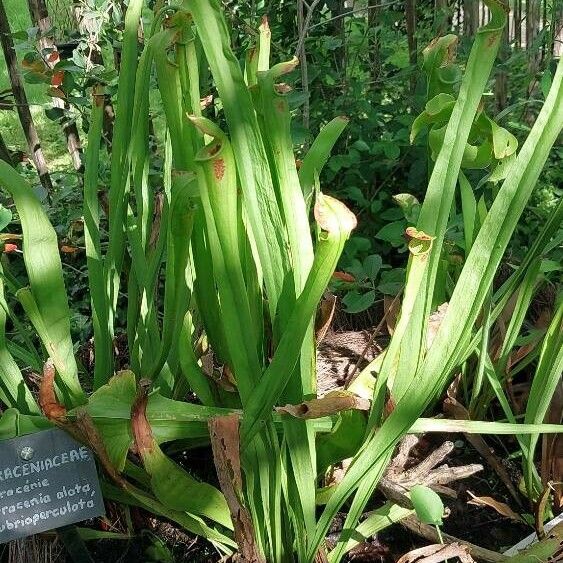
(224, 264)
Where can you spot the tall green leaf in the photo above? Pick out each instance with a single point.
(45, 301)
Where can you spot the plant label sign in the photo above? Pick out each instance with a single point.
(47, 480)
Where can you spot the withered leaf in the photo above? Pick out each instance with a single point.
(48, 401)
(332, 403)
(437, 553)
(501, 507)
(225, 443)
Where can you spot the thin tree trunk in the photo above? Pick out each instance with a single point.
(518, 23)
(470, 17)
(337, 28)
(556, 35)
(501, 79)
(533, 12)
(40, 17)
(4, 152)
(21, 101)
(374, 43)
(441, 16)
(304, 22)
(410, 13)
(544, 47)
(302, 54)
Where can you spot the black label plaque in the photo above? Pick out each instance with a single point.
(47, 480)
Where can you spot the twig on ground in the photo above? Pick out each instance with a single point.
(398, 481)
(428, 532)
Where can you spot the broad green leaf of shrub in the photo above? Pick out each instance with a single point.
(409, 205)
(392, 150)
(393, 233)
(372, 265)
(356, 302)
(391, 214)
(361, 145)
(391, 281)
(399, 59)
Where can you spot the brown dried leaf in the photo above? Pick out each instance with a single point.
(84, 430)
(325, 316)
(222, 375)
(66, 249)
(539, 510)
(206, 102)
(57, 78)
(391, 308)
(157, 218)
(332, 403)
(225, 443)
(436, 553)
(501, 507)
(321, 556)
(142, 432)
(343, 277)
(429, 532)
(453, 389)
(48, 401)
(56, 93)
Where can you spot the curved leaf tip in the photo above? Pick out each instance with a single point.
(206, 126)
(419, 242)
(333, 216)
(265, 24)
